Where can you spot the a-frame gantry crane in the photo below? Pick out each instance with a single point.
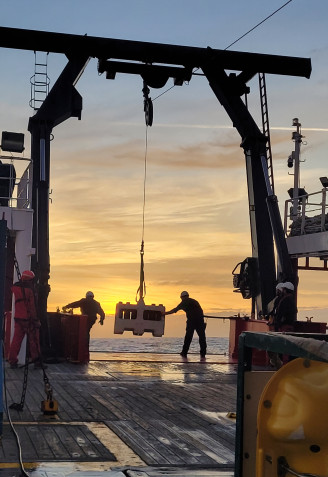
(156, 63)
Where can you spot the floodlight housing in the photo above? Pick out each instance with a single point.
(12, 142)
(324, 181)
(300, 192)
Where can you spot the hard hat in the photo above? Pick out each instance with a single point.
(28, 275)
(288, 286)
(89, 294)
(280, 286)
(184, 293)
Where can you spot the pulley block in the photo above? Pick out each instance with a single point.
(148, 108)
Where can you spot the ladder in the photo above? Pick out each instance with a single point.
(265, 126)
(40, 81)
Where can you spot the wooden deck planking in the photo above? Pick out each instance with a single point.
(117, 410)
(167, 413)
(165, 449)
(186, 449)
(142, 448)
(51, 438)
(73, 449)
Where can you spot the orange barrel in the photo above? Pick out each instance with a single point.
(83, 339)
(70, 327)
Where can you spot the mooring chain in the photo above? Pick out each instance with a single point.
(47, 386)
(17, 268)
(20, 406)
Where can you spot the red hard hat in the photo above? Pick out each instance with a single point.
(28, 275)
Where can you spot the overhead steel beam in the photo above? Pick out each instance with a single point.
(155, 76)
(146, 52)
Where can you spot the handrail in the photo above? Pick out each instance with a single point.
(306, 220)
(16, 190)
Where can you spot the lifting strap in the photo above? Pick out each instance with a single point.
(142, 286)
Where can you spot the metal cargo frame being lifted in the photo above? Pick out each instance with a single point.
(156, 63)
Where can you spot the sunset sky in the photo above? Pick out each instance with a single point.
(196, 214)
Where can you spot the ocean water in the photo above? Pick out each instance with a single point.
(156, 345)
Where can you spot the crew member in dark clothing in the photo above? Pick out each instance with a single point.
(90, 307)
(273, 305)
(284, 317)
(286, 311)
(195, 322)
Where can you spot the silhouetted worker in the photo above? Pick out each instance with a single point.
(286, 312)
(26, 321)
(7, 183)
(195, 322)
(272, 306)
(284, 316)
(90, 307)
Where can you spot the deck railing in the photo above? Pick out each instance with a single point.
(311, 214)
(15, 182)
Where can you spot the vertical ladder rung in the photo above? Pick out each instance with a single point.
(265, 126)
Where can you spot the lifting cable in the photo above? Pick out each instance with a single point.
(234, 42)
(148, 109)
(19, 447)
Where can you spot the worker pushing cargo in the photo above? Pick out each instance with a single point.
(89, 307)
(27, 322)
(195, 322)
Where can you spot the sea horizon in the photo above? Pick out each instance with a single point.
(162, 345)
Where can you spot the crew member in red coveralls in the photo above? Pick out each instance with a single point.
(26, 320)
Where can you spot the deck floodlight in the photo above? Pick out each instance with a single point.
(324, 181)
(301, 192)
(12, 142)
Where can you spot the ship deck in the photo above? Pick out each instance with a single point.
(125, 414)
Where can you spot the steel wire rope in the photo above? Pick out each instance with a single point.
(260, 23)
(142, 286)
(19, 447)
(144, 184)
(233, 43)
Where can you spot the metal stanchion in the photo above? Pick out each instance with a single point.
(3, 232)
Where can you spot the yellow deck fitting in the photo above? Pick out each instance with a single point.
(292, 421)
